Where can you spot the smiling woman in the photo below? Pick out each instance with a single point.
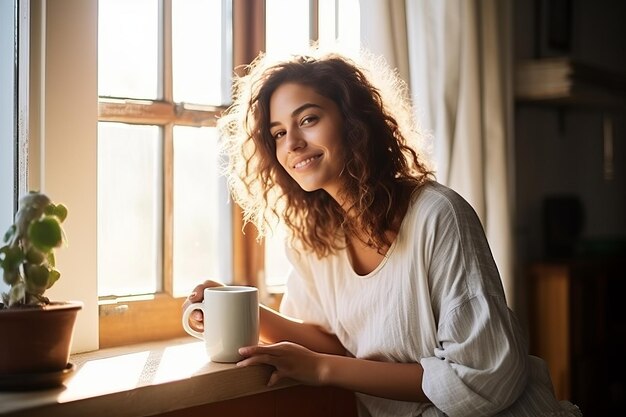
(393, 291)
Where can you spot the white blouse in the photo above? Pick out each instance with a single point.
(436, 299)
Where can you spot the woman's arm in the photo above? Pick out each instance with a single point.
(397, 381)
(314, 356)
(276, 327)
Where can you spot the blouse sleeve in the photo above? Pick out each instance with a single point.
(480, 367)
(480, 364)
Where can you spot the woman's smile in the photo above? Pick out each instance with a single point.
(305, 163)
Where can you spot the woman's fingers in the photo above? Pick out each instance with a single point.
(259, 349)
(289, 360)
(196, 317)
(274, 378)
(262, 359)
(257, 360)
(197, 294)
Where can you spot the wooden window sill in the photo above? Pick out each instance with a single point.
(141, 380)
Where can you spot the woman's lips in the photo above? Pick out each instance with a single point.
(307, 161)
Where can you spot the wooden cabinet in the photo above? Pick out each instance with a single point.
(578, 325)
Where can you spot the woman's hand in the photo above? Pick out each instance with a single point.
(289, 360)
(393, 380)
(196, 319)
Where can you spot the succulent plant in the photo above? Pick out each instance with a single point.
(27, 260)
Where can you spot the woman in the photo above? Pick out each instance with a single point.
(394, 293)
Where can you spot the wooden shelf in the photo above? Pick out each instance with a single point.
(565, 82)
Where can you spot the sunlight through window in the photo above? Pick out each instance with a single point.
(196, 66)
(128, 48)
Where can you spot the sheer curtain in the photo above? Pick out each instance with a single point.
(457, 57)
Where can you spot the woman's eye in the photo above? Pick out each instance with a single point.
(279, 134)
(308, 120)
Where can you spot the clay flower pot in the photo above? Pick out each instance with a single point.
(36, 340)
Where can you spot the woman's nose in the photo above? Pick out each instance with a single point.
(295, 141)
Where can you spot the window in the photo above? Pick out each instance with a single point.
(163, 212)
(164, 222)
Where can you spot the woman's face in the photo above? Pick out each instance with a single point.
(307, 128)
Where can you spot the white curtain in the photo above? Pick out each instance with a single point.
(458, 57)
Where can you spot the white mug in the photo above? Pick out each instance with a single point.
(231, 321)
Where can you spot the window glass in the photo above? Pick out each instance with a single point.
(129, 214)
(196, 51)
(348, 29)
(327, 23)
(201, 225)
(128, 40)
(287, 27)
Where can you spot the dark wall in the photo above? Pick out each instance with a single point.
(560, 148)
(561, 163)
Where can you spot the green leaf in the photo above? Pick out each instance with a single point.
(51, 259)
(36, 278)
(49, 209)
(61, 212)
(12, 258)
(58, 210)
(10, 276)
(46, 233)
(34, 256)
(17, 294)
(53, 277)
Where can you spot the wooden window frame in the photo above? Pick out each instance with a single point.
(129, 320)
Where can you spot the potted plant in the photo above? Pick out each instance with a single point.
(36, 333)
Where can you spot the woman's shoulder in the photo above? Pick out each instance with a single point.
(433, 200)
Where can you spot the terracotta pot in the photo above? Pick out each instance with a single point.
(37, 339)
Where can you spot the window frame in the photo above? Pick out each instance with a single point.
(128, 320)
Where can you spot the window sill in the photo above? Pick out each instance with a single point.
(141, 380)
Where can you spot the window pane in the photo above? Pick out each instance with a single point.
(197, 51)
(327, 23)
(348, 19)
(128, 39)
(339, 25)
(202, 233)
(287, 27)
(129, 214)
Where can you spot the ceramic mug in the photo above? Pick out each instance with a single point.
(231, 321)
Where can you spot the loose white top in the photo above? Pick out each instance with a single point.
(436, 299)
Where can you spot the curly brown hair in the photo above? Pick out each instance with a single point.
(381, 168)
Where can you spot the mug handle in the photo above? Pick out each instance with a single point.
(186, 326)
